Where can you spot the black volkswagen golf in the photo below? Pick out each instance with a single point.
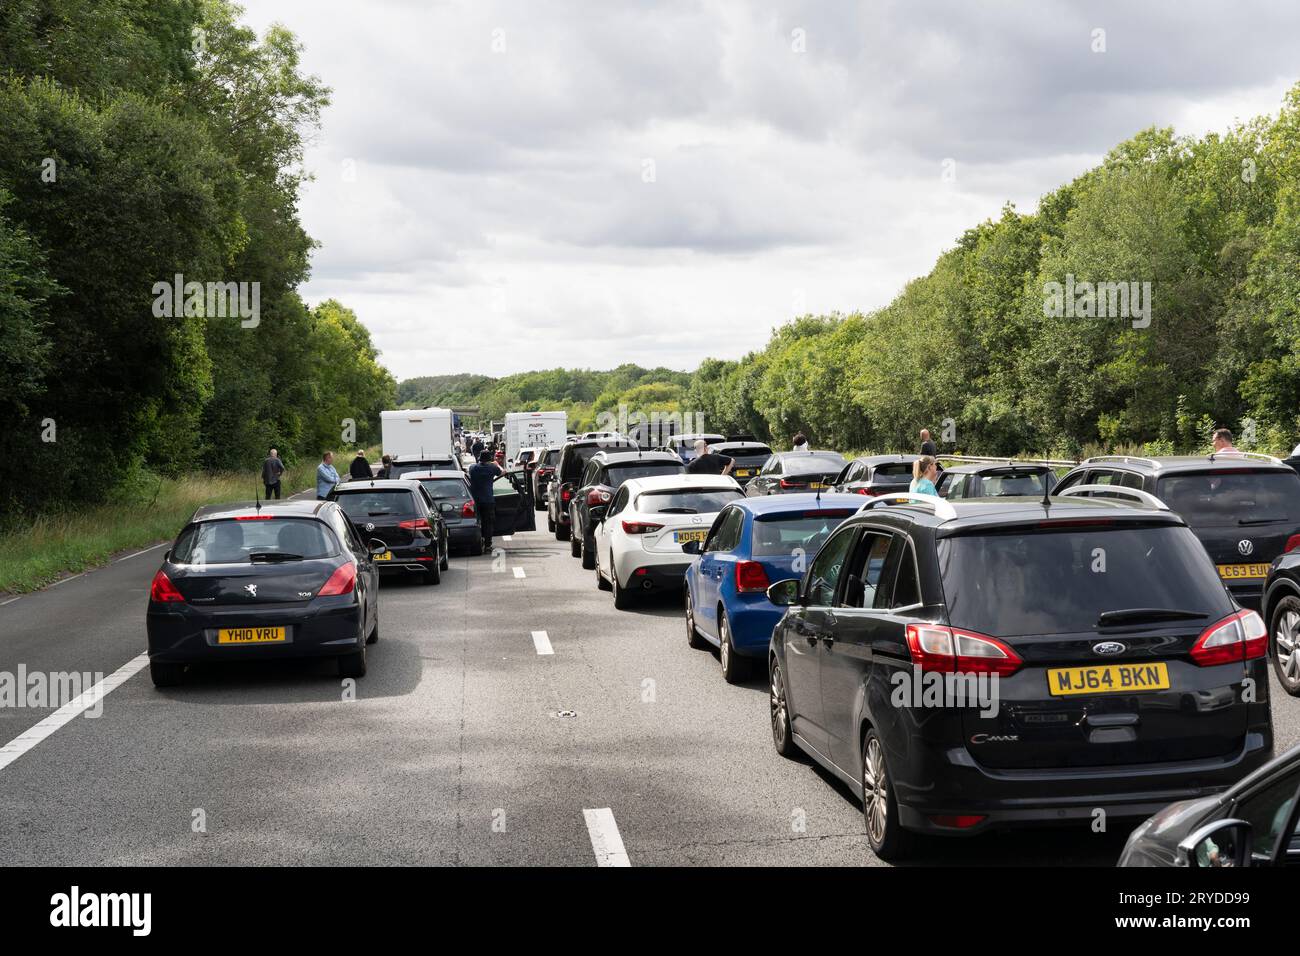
(995, 662)
(289, 579)
(400, 513)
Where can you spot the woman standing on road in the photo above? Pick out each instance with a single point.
(924, 472)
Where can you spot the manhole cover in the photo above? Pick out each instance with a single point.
(567, 713)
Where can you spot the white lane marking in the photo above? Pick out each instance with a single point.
(10, 601)
(55, 584)
(519, 573)
(542, 641)
(145, 551)
(605, 839)
(31, 737)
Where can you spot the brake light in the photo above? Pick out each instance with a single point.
(566, 494)
(750, 577)
(414, 524)
(948, 650)
(163, 591)
(962, 821)
(1238, 637)
(342, 581)
(253, 517)
(467, 510)
(640, 527)
(596, 497)
(786, 483)
(1292, 543)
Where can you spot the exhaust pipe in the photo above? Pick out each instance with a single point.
(646, 585)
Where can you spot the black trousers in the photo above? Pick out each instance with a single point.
(487, 514)
(273, 490)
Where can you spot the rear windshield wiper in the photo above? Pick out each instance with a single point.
(1260, 520)
(274, 556)
(377, 514)
(678, 511)
(1133, 615)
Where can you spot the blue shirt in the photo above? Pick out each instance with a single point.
(481, 479)
(922, 486)
(326, 478)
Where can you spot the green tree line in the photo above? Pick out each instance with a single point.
(141, 139)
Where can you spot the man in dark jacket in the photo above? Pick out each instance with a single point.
(272, 469)
(360, 468)
(481, 478)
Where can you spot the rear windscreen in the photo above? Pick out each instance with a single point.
(1012, 485)
(894, 471)
(813, 465)
(745, 452)
(1225, 498)
(780, 535)
(398, 470)
(376, 503)
(551, 456)
(1054, 582)
(234, 541)
(684, 502)
(445, 487)
(615, 475)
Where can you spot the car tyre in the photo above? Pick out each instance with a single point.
(550, 523)
(588, 554)
(1284, 644)
(433, 575)
(693, 639)
(166, 675)
(886, 836)
(622, 596)
(575, 545)
(446, 557)
(734, 667)
(373, 636)
(561, 532)
(782, 735)
(353, 665)
(477, 550)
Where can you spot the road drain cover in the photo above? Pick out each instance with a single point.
(566, 713)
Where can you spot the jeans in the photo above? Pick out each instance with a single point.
(273, 490)
(487, 513)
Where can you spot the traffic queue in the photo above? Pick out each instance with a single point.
(997, 643)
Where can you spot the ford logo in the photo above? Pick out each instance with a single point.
(1245, 546)
(1109, 647)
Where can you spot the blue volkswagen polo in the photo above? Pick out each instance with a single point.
(752, 543)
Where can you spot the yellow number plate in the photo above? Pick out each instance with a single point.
(682, 537)
(1108, 679)
(251, 635)
(742, 472)
(817, 485)
(1234, 572)
(386, 556)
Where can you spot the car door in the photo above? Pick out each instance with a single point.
(716, 558)
(367, 584)
(806, 625)
(514, 510)
(605, 528)
(862, 618)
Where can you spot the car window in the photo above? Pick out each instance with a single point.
(620, 500)
(866, 568)
(615, 475)
(895, 471)
(824, 575)
(1101, 476)
(1131, 479)
(446, 487)
(1012, 484)
(1222, 498)
(237, 541)
(725, 533)
(1267, 811)
(685, 501)
(951, 486)
(1069, 481)
(376, 502)
(907, 589)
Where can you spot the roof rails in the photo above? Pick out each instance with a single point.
(1121, 458)
(1143, 496)
(942, 509)
(977, 459)
(1252, 455)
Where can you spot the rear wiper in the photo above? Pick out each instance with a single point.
(378, 514)
(274, 556)
(678, 511)
(1132, 615)
(1259, 520)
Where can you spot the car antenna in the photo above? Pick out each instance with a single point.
(1047, 494)
(257, 499)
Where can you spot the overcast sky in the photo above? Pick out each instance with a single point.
(512, 186)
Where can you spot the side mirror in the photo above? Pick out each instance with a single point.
(692, 547)
(1221, 843)
(784, 593)
(377, 547)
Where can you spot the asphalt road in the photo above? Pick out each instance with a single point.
(454, 750)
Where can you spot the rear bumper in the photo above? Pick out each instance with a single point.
(643, 571)
(416, 557)
(752, 625)
(325, 628)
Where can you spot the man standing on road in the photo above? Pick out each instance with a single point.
(1223, 442)
(272, 469)
(481, 478)
(927, 446)
(360, 468)
(477, 448)
(386, 469)
(706, 462)
(326, 476)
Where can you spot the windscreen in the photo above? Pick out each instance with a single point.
(376, 503)
(1224, 498)
(400, 469)
(685, 502)
(1011, 584)
(894, 472)
(446, 487)
(236, 541)
(1012, 484)
(812, 464)
(780, 534)
(617, 474)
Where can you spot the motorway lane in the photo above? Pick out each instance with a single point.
(452, 751)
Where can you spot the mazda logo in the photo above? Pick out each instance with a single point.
(1245, 546)
(1109, 647)
(697, 520)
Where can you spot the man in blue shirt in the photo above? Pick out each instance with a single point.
(326, 476)
(481, 478)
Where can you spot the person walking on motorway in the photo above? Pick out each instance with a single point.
(925, 472)
(928, 447)
(707, 462)
(481, 478)
(1223, 442)
(477, 448)
(326, 476)
(272, 469)
(800, 442)
(360, 468)
(386, 469)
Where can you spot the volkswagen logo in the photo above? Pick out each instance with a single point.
(1109, 647)
(251, 589)
(370, 526)
(1245, 546)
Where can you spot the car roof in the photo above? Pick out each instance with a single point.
(874, 460)
(684, 481)
(304, 508)
(1175, 463)
(810, 453)
(770, 504)
(692, 436)
(606, 442)
(623, 457)
(410, 484)
(980, 467)
(424, 475)
(734, 445)
(955, 517)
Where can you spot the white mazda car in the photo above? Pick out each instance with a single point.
(639, 540)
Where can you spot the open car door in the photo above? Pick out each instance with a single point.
(514, 504)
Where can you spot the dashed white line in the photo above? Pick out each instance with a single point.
(55, 584)
(10, 601)
(605, 839)
(145, 551)
(519, 573)
(542, 641)
(31, 737)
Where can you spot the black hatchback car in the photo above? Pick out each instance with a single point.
(791, 472)
(451, 495)
(400, 513)
(603, 476)
(748, 457)
(992, 663)
(1244, 508)
(275, 580)
(876, 475)
(568, 472)
(1003, 479)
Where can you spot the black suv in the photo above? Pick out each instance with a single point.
(996, 479)
(604, 475)
(749, 457)
(400, 513)
(573, 459)
(790, 472)
(999, 662)
(876, 475)
(544, 474)
(1245, 508)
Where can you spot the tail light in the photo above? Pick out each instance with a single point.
(787, 483)
(566, 494)
(467, 510)
(960, 821)
(1238, 637)
(596, 498)
(163, 591)
(545, 471)
(1292, 543)
(640, 527)
(414, 524)
(342, 581)
(948, 650)
(750, 577)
